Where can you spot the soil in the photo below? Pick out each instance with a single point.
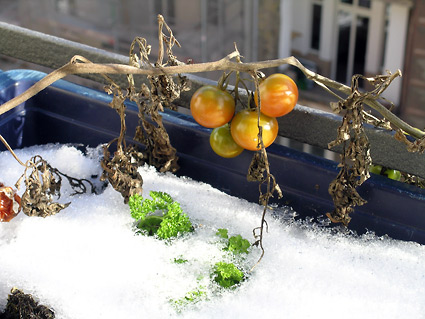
(21, 305)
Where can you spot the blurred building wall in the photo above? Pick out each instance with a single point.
(337, 38)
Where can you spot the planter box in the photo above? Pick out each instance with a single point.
(68, 113)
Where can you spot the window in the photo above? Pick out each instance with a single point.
(166, 8)
(212, 7)
(316, 26)
(352, 34)
(360, 3)
(364, 3)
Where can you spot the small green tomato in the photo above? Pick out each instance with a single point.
(375, 169)
(222, 142)
(393, 174)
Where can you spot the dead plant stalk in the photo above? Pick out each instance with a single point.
(80, 65)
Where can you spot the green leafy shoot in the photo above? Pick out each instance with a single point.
(192, 297)
(135, 203)
(227, 274)
(180, 260)
(238, 245)
(175, 222)
(160, 215)
(140, 207)
(235, 244)
(223, 233)
(150, 224)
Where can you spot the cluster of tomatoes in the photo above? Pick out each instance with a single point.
(214, 107)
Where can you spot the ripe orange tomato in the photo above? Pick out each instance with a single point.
(278, 95)
(10, 203)
(244, 129)
(222, 142)
(212, 107)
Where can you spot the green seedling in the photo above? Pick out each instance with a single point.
(160, 215)
(227, 274)
(235, 244)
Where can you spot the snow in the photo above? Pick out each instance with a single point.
(86, 261)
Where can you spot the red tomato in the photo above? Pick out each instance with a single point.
(244, 129)
(222, 142)
(10, 203)
(278, 95)
(212, 107)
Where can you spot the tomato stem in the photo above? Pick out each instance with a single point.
(11, 150)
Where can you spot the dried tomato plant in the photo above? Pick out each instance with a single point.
(259, 171)
(355, 157)
(42, 184)
(121, 169)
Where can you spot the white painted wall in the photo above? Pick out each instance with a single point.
(375, 41)
(327, 36)
(301, 25)
(396, 46)
(286, 27)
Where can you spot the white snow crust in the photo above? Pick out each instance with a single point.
(86, 261)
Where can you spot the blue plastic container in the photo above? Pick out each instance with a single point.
(68, 113)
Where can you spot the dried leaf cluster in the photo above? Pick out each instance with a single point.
(415, 146)
(259, 171)
(163, 89)
(355, 157)
(42, 184)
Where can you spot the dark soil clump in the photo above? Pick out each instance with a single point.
(23, 306)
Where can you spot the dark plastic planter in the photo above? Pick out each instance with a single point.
(68, 113)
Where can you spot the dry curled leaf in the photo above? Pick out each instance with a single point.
(345, 197)
(256, 168)
(43, 183)
(258, 172)
(416, 146)
(355, 158)
(121, 171)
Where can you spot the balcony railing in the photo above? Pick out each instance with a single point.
(304, 124)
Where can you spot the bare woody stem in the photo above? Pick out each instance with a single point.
(11, 150)
(80, 65)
